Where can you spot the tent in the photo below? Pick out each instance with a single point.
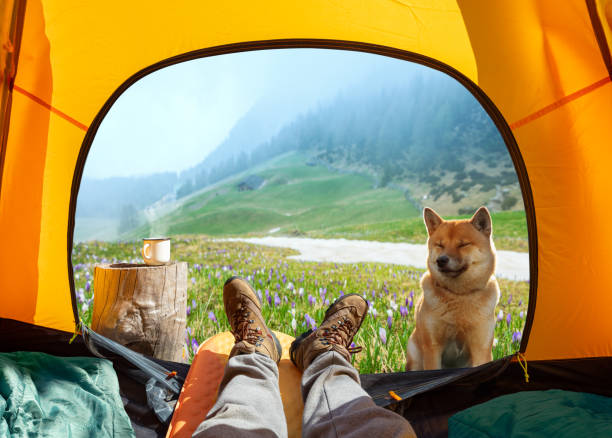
(541, 69)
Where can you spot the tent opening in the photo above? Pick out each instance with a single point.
(305, 171)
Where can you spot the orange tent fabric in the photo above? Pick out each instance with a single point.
(542, 70)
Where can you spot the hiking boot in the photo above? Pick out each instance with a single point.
(243, 311)
(342, 321)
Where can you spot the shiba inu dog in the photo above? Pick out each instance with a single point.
(455, 315)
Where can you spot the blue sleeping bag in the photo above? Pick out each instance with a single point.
(49, 396)
(546, 414)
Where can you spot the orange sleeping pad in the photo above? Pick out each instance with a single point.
(199, 392)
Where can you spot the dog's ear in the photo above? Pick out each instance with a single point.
(432, 220)
(482, 221)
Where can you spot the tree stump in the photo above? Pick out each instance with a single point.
(142, 307)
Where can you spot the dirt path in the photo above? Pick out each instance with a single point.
(510, 264)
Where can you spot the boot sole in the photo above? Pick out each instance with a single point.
(296, 343)
(277, 343)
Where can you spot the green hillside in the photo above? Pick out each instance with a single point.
(295, 197)
(428, 137)
(304, 200)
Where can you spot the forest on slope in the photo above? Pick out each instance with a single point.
(428, 135)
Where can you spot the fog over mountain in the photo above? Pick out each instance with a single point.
(405, 125)
(403, 130)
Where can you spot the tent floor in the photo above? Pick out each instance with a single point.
(430, 397)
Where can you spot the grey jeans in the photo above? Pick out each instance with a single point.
(335, 405)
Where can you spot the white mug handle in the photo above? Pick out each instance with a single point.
(146, 251)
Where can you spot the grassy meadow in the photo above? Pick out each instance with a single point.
(296, 294)
(508, 231)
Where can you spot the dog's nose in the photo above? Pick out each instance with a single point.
(442, 261)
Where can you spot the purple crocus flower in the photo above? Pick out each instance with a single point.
(310, 321)
(87, 286)
(412, 294)
(212, 317)
(382, 333)
(188, 310)
(389, 321)
(508, 319)
(404, 311)
(517, 336)
(341, 293)
(277, 300)
(326, 302)
(510, 299)
(410, 304)
(194, 346)
(293, 304)
(521, 314)
(192, 280)
(311, 300)
(193, 304)
(268, 297)
(500, 315)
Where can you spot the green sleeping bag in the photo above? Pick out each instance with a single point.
(549, 414)
(49, 396)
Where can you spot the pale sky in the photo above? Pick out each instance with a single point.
(171, 119)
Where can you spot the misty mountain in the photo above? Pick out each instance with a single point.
(422, 134)
(108, 197)
(411, 131)
(261, 123)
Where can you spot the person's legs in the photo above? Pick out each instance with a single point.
(249, 402)
(335, 405)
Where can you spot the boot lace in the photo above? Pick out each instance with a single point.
(340, 333)
(243, 330)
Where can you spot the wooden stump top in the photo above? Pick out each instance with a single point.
(135, 265)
